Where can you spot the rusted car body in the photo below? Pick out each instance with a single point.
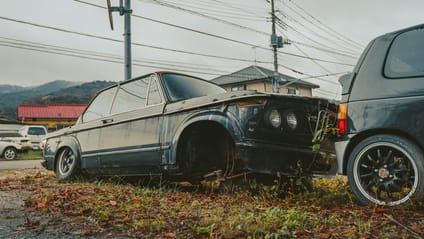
(187, 128)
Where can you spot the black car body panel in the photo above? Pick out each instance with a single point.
(159, 137)
(383, 105)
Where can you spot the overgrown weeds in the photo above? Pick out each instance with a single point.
(118, 208)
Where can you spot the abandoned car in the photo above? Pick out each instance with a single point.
(188, 129)
(381, 120)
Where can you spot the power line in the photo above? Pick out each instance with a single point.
(214, 35)
(329, 29)
(134, 43)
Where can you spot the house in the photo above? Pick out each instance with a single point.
(53, 116)
(260, 79)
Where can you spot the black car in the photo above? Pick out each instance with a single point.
(381, 120)
(188, 128)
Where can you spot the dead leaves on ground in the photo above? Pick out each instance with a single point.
(123, 209)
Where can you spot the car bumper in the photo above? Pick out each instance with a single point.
(266, 158)
(48, 163)
(340, 147)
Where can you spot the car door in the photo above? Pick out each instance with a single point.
(87, 131)
(130, 138)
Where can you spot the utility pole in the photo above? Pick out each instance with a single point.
(276, 42)
(124, 10)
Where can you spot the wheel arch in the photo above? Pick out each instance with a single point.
(368, 133)
(68, 142)
(218, 119)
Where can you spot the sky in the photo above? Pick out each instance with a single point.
(47, 40)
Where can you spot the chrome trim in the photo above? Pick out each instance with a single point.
(122, 151)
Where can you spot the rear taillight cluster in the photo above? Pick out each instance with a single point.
(342, 119)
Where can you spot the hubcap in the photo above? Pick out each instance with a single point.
(385, 174)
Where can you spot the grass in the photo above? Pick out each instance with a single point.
(120, 208)
(31, 154)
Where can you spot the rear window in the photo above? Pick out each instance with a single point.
(406, 55)
(36, 131)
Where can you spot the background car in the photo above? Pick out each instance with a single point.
(381, 120)
(9, 150)
(187, 128)
(35, 133)
(15, 137)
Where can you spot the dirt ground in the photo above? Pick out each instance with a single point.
(15, 222)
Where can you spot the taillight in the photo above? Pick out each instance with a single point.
(342, 119)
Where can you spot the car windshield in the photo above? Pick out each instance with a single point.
(181, 87)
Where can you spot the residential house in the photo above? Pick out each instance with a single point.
(260, 79)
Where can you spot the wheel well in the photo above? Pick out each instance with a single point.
(208, 142)
(363, 135)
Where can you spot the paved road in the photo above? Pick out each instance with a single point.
(19, 164)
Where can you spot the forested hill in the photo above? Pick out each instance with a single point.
(56, 92)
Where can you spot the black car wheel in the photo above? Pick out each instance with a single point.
(67, 164)
(10, 153)
(386, 170)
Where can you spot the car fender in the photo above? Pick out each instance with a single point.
(222, 117)
(66, 141)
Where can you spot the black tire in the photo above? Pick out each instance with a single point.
(67, 164)
(386, 170)
(10, 153)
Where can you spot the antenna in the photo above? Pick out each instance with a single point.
(109, 10)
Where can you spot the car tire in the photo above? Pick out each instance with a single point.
(10, 153)
(67, 164)
(386, 170)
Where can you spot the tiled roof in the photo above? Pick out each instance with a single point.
(53, 111)
(253, 73)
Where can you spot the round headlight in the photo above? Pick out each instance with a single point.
(275, 118)
(291, 120)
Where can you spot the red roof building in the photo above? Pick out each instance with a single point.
(54, 116)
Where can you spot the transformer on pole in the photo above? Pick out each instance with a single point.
(124, 10)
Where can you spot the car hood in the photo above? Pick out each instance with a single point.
(232, 96)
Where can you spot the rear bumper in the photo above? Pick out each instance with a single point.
(340, 147)
(266, 158)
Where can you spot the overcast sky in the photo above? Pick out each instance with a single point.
(332, 32)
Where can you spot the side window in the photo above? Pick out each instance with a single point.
(406, 55)
(131, 96)
(154, 95)
(100, 107)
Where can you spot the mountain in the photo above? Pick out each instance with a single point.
(80, 94)
(62, 92)
(4, 89)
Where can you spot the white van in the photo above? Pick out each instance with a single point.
(35, 133)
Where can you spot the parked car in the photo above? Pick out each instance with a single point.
(35, 133)
(190, 129)
(9, 150)
(381, 120)
(15, 137)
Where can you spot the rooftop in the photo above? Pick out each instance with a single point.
(254, 73)
(52, 111)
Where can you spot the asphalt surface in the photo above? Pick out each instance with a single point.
(19, 164)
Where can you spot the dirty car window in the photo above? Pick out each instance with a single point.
(181, 87)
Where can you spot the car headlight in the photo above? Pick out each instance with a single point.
(291, 120)
(42, 144)
(275, 118)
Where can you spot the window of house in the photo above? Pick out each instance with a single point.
(406, 55)
(238, 88)
(131, 96)
(292, 91)
(100, 106)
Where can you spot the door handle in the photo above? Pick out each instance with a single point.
(107, 121)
